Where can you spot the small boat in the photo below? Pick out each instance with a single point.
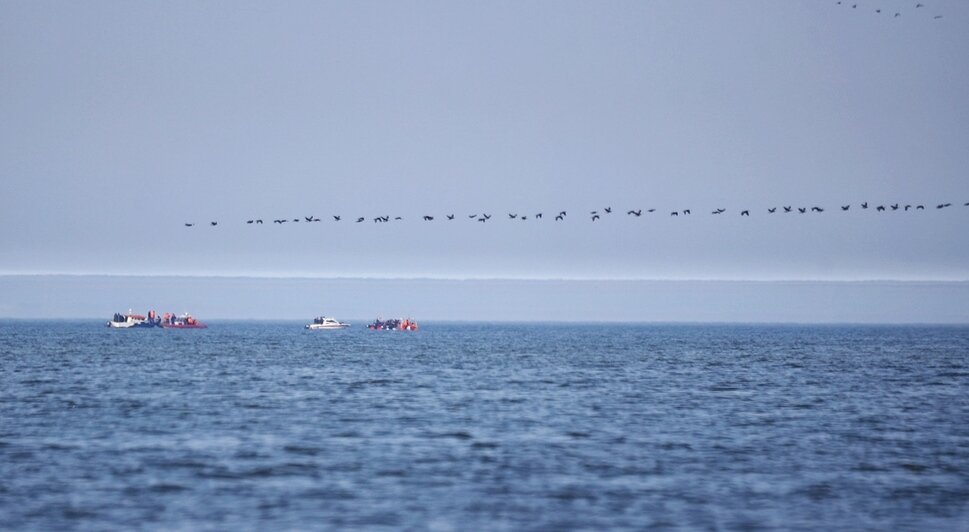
(326, 323)
(393, 324)
(185, 321)
(132, 320)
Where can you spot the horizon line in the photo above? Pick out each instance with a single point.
(471, 278)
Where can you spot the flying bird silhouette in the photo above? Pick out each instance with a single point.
(189, 225)
(249, 221)
(817, 209)
(595, 217)
(745, 213)
(636, 213)
(214, 223)
(802, 210)
(864, 205)
(360, 219)
(674, 213)
(450, 216)
(772, 210)
(845, 207)
(880, 208)
(608, 210)
(428, 218)
(787, 209)
(539, 215)
(258, 221)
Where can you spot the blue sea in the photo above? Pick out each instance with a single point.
(480, 426)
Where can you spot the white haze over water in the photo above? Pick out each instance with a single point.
(428, 300)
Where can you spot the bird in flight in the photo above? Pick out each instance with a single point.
(250, 221)
(845, 207)
(787, 209)
(745, 213)
(772, 210)
(880, 208)
(817, 209)
(636, 213)
(674, 213)
(559, 218)
(595, 217)
(512, 216)
(214, 223)
(336, 218)
(189, 225)
(719, 211)
(428, 218)
(801, 210)
(360, 219)
(608, 210)
(450, 216)
(537, 216)
(864, 205)
(258, 221)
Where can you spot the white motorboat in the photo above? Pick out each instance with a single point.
(130, 320)
(326, 323)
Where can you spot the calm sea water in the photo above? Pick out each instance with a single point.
(484, 427)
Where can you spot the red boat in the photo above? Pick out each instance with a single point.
(185, 321)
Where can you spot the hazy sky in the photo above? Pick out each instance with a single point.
(361, 300)
(120, 121)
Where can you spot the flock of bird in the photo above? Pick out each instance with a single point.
(879, 10)
(598, 214)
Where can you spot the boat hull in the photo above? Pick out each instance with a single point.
(327, 327)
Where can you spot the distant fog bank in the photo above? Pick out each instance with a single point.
(64, 296)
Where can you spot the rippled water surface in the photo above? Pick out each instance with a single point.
(479, 426)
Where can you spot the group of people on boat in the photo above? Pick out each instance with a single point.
(168, 321)
(393, 324)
